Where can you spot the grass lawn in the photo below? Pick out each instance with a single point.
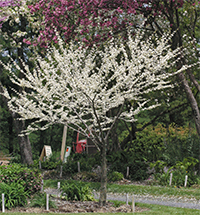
(154, 209)
(138, 189)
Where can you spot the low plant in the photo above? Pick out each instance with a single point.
(179, 171)
(119, 161)
(14, 194)
(30, 179)
(87, 163)
(86, 176)
(39, 200)
(115, 176)
(77, 191)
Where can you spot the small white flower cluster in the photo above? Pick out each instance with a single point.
(80, 86)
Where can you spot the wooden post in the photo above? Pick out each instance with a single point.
(63, 143)
(87, 147)
(127, 199)
(133, 204)
(79, 166)
(127, 172)
(186, 177)
(170, 180)
(42, 185)
(47, 202)
(61, 167)
(3, 203)
(40, 166)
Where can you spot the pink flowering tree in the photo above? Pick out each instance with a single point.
(94, 21)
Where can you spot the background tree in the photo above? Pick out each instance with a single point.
(15, 26)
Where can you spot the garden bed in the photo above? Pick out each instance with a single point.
(63, 206)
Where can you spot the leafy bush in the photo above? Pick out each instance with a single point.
(86, 176)
(87, 163)
(30, 179)
(170, 144)
(121, 160)
(39, 200)
(50, 165)
(77, 191)
(46, 165)
(179, 170)
(14, 194)
(115, 176)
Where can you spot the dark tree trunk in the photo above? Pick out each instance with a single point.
(114, 138)
(103, 189)
(10, 147)
(24, 143)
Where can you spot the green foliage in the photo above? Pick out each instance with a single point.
(77, 191)
(39, 200)
(179, 170)
(86, 176)
(87, 163)
(149, 144)
(14, 194)
(158, 166)
(119, 161)
(180, 146)
(49, 165)
(169, 144)
(30, 179)
(115, 176)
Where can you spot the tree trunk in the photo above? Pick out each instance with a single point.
(103, 189)
(115, 146)
(24, 143)
(193, 104)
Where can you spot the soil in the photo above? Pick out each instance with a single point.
(63, 206)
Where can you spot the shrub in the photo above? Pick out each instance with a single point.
(39, 200)
(179, 170)
(121, 160)
(86, 176)
(86, 163)
(30, 179)
(115, 176)
(77, 191)
(14, 194)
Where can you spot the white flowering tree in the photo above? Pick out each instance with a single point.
(79, 86)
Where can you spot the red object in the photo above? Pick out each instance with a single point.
(79, 145)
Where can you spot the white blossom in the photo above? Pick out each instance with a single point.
(68, 87)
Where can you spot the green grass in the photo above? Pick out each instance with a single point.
(139, 189)
(165, 210)
(154, 209)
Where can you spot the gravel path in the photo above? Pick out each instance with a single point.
(161, 200)
(171, 201)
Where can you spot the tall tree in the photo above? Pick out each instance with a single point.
(80, 86)
(14, 27)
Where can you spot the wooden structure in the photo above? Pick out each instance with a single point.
(46, 152)
(90, 147)
(85, 145)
